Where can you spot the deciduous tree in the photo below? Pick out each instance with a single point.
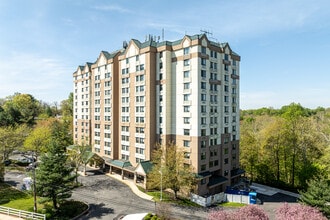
(170, 170)
(12, 138)
(79, 155)
(298, 212)
(249, 212)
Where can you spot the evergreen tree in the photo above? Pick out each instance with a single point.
(54, 177)
(317, 195)
(2, 170)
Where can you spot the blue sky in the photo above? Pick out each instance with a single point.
(284, 44)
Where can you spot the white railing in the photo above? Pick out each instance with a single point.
(21, 213)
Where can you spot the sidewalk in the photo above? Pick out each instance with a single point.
(132, 185)
(9, 217)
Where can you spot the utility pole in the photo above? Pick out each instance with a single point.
(34, 183)
(161, 185)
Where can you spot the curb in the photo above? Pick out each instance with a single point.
(83, 213)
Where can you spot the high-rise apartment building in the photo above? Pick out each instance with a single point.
(186, 91)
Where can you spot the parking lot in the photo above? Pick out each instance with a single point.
(109, 198)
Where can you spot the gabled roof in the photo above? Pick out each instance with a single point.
(121, 163)
(147, 166)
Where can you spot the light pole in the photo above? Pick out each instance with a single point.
(161, 185)
(34, 183)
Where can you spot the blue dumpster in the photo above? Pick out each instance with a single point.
(253, 197)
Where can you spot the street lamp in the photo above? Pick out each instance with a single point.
(161, 185)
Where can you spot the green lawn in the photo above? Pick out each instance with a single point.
(22, 204)
(9, 193)
(232, 204)
(16, 199)
(168, 197)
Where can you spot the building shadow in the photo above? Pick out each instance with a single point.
(277, 197)
(97, 211)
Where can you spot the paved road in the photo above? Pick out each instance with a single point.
(109, 198)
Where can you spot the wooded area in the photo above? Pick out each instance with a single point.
(285, 147)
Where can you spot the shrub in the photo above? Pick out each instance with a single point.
(4, 200)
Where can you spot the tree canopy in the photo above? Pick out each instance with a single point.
(285, 147)
(169, 170)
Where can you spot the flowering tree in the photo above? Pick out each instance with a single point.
(249, 212)
(298, 212)
(221, 214)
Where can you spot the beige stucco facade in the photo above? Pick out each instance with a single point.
(186, 91)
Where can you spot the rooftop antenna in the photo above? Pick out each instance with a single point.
(163, 33)
(208, 33)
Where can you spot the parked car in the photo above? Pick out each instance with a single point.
(136, 216)
(26, 160)
(31, 166)
(7, 162)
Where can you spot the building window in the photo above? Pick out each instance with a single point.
(226, 150)
(203, 144)
(186, 120)
(203, 155)
(203, 97)
(139, 78)
(186, 74)
(203, 120)
(203, 73)
(203, 85)
(186, 143)
(203, 132)
(226, 161)
(186, 108)
(186, 62)
(186, 50)
(203, 108)
(186, 85)
(186, 97)
(203, 62)
(186, 132)
(204, 50)
(186, 155)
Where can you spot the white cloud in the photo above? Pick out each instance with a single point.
(115, 8)
(45, 78)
